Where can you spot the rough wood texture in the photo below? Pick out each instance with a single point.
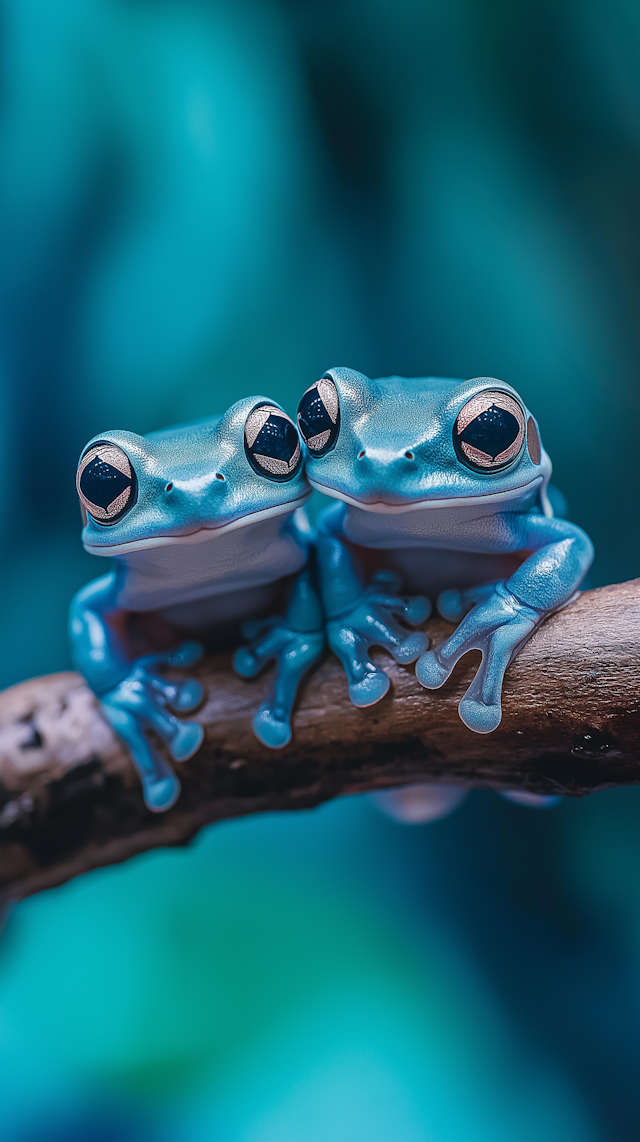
(71, 799)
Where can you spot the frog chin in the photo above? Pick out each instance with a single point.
(398, 508)
(200, 534)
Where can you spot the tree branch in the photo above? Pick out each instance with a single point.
(71, 798)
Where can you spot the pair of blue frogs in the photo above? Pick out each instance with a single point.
(441, 489)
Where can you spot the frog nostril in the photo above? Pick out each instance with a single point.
(169, 486)
(409, 455)
(219, 476)
(361, 455)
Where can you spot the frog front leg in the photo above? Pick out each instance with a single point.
(134, 696)
(502, 616)
(360, 617)
(295, 642)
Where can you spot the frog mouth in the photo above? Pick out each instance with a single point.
(418, 505)
(198, 535)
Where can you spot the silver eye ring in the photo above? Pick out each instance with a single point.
(271, 443)
(106, 482)
(489, 431)
(319, 417)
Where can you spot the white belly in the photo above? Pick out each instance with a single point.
(439, 548)
(470, 529)
(238, 562)
(430, 571)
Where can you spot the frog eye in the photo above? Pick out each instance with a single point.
(271, 443)
(489, 431)
(319, 417)
(106, 482)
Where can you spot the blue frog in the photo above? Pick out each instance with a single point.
(207, 527)
(442, 485)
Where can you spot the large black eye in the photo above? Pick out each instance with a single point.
(106, 482)
(489, 431)
(271, 443)
(319, 417)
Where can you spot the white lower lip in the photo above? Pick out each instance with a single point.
(199, 536)
(419, 505)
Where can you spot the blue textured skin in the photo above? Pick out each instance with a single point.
(206, 539)
(487, 536)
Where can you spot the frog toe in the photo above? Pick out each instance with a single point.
(369, 689)
(430, 672)
(481, 718)
(186, 741)
(268, 644)
(390, 580)
(412, 647)
(188, 697)
(184, 655)
(272, 731)
(161, 795)
(417, 609)
(450, 605)
(245, 663)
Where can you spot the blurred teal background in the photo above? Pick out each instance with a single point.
(203, 199)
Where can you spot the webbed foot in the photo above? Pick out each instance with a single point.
(144, 700)
(373, 621)
(498, 624)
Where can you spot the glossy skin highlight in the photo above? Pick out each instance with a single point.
(203, 530)
(475, 529)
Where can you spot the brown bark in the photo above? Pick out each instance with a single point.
(71, 798)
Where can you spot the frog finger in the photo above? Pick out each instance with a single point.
(481, 707)
(367, 684)
(431, 672)
(183, 738)
(405, 646)
(434, 667)
(387, 578)
(250, 660)
(181, 696)
(160, 786)
(497, 610)
(378, 625)
(452, 605)
(414, 609)
(188, 695)
(184, 655)
(271, 724)
(255, 627)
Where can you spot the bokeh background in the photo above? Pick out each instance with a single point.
(201, 199)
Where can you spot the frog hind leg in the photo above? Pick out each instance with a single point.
(362, 617)
(294, 642)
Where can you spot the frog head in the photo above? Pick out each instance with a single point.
(189, 483)
(400, 444)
